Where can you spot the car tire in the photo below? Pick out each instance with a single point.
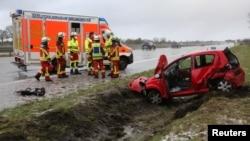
(123, 63)
(154, 97)
(224, 86)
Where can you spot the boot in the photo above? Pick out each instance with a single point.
(77, 72)
(47, 78)
(89, 73)
(59, 76)
(64, 75)
(96, 76)
(37, 76)
(71, 72)
(103, 75)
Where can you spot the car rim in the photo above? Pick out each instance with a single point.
(155, 98)
(224, 86)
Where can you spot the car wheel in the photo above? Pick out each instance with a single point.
(154, 97)
(224, 86)
(123, 63)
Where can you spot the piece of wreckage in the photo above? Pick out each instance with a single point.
(195, 73)
(30, 92)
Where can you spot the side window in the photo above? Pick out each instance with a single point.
(185, 63)
(203, 60)
(75, 27)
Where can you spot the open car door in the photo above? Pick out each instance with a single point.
(161, 65)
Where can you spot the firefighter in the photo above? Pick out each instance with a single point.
(44, 60)
(115, 58)
(74, 53)
(88, 46)
(60, 55)
(108, 41)
(97, 52)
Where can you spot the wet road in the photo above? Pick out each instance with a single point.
(13, 79)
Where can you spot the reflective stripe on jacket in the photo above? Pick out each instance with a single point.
(73, 46)
(108, 44)
(96, 51)
(44, 55)
(114, 54)
(60, 49)
(88, 43)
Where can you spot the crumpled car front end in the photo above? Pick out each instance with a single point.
(138, 84)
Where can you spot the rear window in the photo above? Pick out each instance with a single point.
(232, 59)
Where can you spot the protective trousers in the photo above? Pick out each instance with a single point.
(74, 60)
(98, 66)
(61, 65)
(115, 65)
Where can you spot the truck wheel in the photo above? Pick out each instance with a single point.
(154, 97)
(123, 63)
(224, 86)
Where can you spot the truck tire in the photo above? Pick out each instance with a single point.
(123, 63)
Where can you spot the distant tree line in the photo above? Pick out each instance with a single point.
(160, 41)
(6, 35)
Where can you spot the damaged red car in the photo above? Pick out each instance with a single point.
(194, 73)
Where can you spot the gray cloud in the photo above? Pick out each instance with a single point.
(172, 19)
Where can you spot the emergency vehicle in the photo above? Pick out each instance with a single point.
(30, 26)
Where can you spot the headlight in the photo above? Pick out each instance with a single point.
(157, 75)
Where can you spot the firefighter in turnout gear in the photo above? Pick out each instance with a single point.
(88, 46)
(108, 41)
(60, 56)
(44, 60)
(74, 53)
(115, 58)
(97, 52)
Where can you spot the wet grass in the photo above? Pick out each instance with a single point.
(26, 112)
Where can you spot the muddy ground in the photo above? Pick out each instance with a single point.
(115, 114)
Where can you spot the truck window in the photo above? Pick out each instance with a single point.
(75, 27)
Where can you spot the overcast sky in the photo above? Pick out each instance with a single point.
(172, 19)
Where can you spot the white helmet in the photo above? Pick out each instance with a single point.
(45, 39)
(96, 38)
(61, 34)
(73, 34)
(107, 32)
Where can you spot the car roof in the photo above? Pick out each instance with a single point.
(202, 52)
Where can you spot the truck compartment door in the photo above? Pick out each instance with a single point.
(35, 34)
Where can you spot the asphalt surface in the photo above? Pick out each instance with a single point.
(12, 79)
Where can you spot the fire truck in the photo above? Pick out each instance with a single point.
(30, 26)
